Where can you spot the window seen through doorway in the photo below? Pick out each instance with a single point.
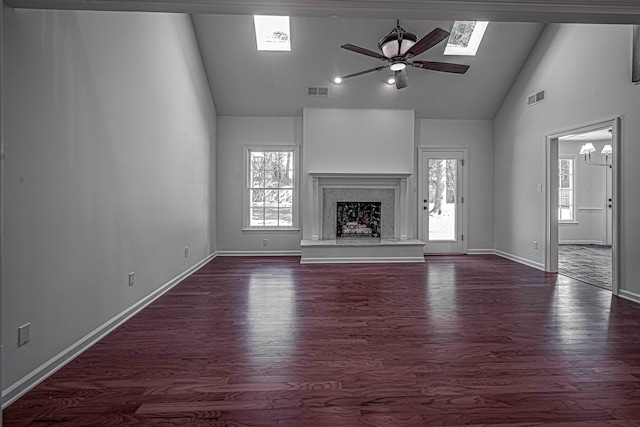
(566, 190)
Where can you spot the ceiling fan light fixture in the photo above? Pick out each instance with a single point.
(397, 42)
(398, 66)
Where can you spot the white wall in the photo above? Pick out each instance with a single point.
(109, 130)
(477, 136)
(365, 141)
(590, 191)
(586, 71)
(233, 134)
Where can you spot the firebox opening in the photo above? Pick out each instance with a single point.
(358, 219)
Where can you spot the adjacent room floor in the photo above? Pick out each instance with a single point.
(459, 340)
(587, 263)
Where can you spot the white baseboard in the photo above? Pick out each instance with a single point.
(631, 296)
(361, 260)
(534, 264)
(259, 253)
(581, 242)
(481, 252)
(44, 371)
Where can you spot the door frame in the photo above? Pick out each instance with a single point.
(462, 177)
(551, 195)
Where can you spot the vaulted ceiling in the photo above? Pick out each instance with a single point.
(245, 81)
(250, 83)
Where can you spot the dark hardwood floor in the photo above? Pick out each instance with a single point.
(469, 340)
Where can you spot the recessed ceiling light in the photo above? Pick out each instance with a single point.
(272, 32)
(391, 80)
(465, 37)
(337, 80)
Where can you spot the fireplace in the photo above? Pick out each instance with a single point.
(358, 220)
(327, 189)
(342, 203)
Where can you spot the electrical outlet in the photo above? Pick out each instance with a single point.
(265, 242)
(186, 251)
(535, 244)
(24, 334)
(131, 278)
(539, 187)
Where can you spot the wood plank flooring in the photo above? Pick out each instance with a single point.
(467, 340)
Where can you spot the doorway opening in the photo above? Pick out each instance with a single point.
(582, 202)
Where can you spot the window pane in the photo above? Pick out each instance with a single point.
(442, 199)
(285, 198)
(271, 159)
(257, 160)
(286, 161)
(565, 181)
(256, 217)
(271, 198)
(278, 161)
(566, 166)
(271, 217)
(286, 217)
(565, 214)
(286, 179)
(257, 197)
(272, 178)
(257, 179)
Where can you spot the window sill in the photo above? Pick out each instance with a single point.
(270, 230)
(568, 222)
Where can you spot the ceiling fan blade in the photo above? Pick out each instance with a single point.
(445, 67)
(427, 42)
(371, 70)
(402, 80)
(362, 51)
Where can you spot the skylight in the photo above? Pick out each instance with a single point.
(272, 32)
(465, 37)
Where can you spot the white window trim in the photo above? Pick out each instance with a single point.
(246, 193)
(574, 220)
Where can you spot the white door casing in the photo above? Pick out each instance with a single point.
(551, 196)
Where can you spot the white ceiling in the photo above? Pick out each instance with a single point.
(246, 82)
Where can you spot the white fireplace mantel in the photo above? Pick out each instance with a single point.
(371, 180)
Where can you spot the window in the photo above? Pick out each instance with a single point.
(271, 193)
(465, 37)
(272, 32)
(566, 190)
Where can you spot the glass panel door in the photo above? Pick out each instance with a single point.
(443, 188)
(441, 210)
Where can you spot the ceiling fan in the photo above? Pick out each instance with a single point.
(399, 47)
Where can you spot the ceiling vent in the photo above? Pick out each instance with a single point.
(321, 91)
(535, 98)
